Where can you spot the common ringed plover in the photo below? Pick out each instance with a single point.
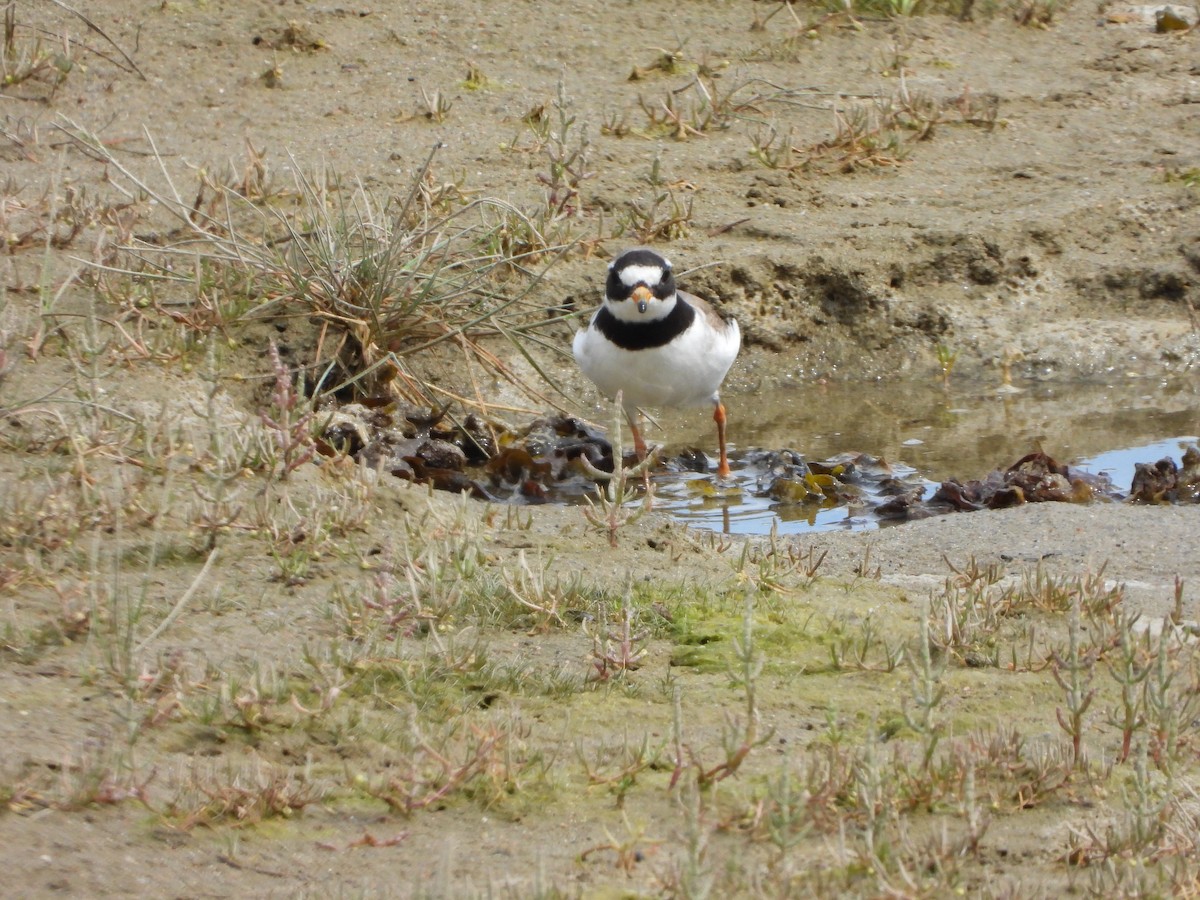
(656, 344)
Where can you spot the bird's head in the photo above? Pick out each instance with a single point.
(640, 286)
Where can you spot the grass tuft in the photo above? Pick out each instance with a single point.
(385, 281)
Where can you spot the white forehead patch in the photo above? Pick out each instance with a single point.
(648, 275)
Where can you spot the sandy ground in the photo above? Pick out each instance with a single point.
(1040, 212)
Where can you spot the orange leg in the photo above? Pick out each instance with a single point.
(639, 445)
(723, 470)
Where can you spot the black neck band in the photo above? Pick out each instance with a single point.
(645, 335)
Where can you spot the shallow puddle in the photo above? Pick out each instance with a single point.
(924, 435)
(820, 456)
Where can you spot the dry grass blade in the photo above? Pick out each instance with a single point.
(129, 64)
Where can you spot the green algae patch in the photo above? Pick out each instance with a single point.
(706, 651)
(794, 634)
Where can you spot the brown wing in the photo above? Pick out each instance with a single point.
(705, 309)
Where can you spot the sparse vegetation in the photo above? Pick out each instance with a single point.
(220, 631)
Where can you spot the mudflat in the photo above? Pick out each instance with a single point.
(234, 659)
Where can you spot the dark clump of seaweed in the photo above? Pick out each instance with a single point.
(1034, 478)
(483, 457)
(1166, 482)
